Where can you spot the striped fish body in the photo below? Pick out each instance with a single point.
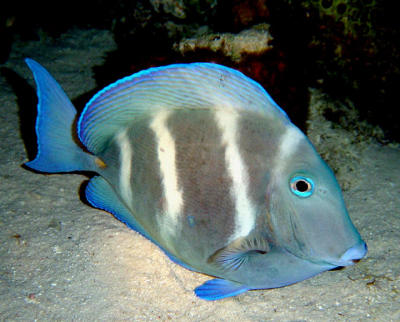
(201, 161)
(198, 176)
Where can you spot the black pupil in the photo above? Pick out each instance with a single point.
(302, 186)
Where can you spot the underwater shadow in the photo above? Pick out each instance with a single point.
(27, 112)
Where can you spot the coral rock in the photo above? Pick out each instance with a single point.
(252, 41)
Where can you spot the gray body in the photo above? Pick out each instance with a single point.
(207, 222)
(200, 160)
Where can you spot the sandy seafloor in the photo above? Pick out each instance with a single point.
(61, 259)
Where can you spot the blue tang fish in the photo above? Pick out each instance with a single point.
(201, 161)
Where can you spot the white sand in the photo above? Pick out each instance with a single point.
(60, 259)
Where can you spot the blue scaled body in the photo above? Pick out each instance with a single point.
(201, 161)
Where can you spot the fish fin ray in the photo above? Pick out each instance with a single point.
(196, 85)
(57, 148)
(238, 252)
(101, 195)
(217, 289)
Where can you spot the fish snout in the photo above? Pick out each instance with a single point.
(353, 254)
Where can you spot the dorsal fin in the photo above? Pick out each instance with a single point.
(234, 255)
(196, 85)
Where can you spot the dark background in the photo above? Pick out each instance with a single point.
(349, 49)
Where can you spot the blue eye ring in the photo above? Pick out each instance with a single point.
(302, 186)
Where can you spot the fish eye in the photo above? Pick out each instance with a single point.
(302, 186)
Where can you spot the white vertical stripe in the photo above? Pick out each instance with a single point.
(227, 120)
(287, 146)
(125, 155)
(166, 156)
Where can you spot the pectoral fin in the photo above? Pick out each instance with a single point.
(237, 253)
(217, 289)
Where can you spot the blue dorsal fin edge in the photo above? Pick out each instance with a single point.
(100, 194)
(189, 86)
(57, 148)
(217, 289)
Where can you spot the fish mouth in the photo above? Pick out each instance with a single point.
(352, 255)
(356, 253)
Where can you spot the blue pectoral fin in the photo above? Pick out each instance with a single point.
(217, 289)
(238, 252)
(57, 149)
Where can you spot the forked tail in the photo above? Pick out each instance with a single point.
(55, 127)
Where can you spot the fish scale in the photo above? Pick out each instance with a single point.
(200, 160)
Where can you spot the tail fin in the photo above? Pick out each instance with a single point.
(57, 149)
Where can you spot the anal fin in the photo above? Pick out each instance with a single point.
(101, 195)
